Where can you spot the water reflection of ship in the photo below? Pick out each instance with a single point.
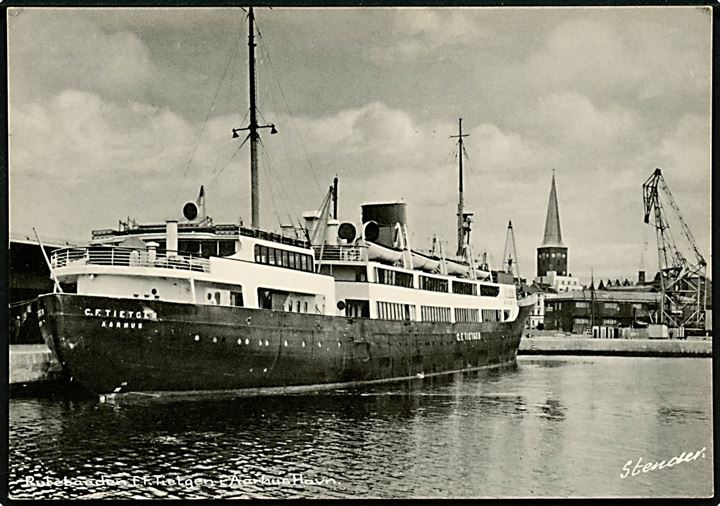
(553, 409)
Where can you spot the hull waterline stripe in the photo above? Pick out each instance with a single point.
(159, 396)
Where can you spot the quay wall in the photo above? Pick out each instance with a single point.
(31, 363)
(580, 345)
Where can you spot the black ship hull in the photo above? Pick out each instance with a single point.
(112, 345)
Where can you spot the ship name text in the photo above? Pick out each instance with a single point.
(121, 319)
(468, 336)
(114, 313)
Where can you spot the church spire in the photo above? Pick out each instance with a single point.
(553, 236)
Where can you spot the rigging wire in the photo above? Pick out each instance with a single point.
(233, 54)
(280, 188)
(283, 138)
(232, 157)
(229, 99)
(272, 179)
(290, 116)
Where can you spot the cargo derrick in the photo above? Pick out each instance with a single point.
(682, 282)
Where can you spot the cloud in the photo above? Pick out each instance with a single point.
(685, 161)
(380, 135)
(629, 61)
(77, 132)
(570, 118)
(72, 52)
(420, 33)
(496, 151)
(77, 159)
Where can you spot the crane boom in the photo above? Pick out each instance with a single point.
(682, 281)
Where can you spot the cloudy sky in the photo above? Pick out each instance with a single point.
(125, 112)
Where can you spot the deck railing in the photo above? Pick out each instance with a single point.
(127, 257)
(342, 253)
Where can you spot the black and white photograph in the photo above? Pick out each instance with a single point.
(283, 252)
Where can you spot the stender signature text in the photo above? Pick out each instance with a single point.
(629, 470)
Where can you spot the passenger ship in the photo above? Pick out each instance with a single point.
(191, 306)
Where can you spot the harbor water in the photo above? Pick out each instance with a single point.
(549, 427)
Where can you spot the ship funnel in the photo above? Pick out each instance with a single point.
(387, 218)
(171, 239)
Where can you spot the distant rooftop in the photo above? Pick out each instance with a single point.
(601, 295)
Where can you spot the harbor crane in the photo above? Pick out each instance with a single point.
(683, 284)
(510, 264)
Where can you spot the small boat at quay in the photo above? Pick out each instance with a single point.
(190, 306)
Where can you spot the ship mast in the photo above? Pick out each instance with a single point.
(253, 127)
(461, 203)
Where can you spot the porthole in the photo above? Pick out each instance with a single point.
(319, 345)
(267, 343)
(303, 344)
(239, 341)
(247, 341)
(265, 370)
(197, 337)
(259, 342)
(214, 339)
(286, 343)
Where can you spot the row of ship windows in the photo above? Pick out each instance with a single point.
(586, 321)
(293, 302)
(606, 305)
(205, 248)
(385, 310)
(432, 284)
(397, 311)
(585, 305)
(283, 258)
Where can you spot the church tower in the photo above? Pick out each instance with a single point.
(552, 254)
